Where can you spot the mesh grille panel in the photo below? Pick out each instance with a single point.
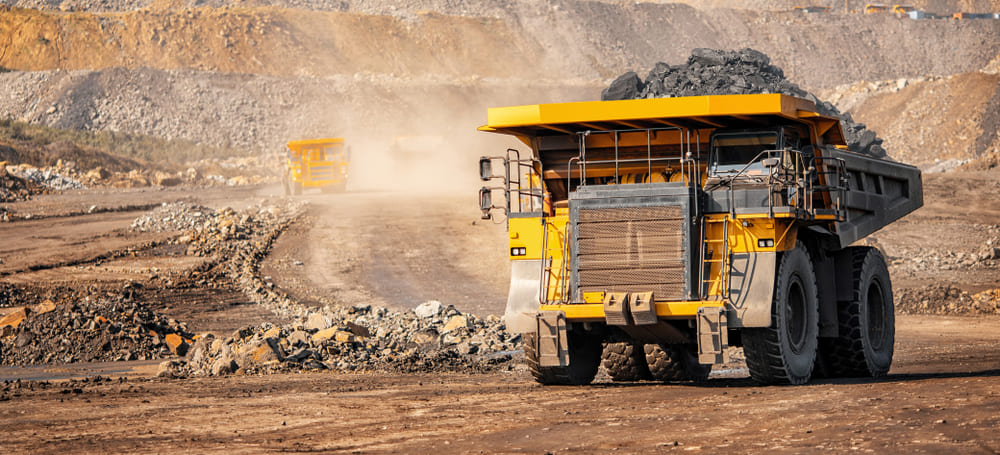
(632, 249)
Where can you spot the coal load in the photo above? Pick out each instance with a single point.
(742, 72)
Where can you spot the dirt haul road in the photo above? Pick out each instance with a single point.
(942, 394)
(395, 250)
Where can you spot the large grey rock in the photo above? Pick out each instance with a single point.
(625, 87)
(317, 321)
(428, 309)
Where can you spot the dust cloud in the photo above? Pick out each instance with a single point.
(408, 137)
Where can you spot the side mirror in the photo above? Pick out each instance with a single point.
(485, 169)
(770, 162)
(485, 201)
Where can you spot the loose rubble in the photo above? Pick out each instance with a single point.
(717, 72)
(176, 216)
(107, 327)
(358, 338)
(15, 188)
(46, 177)
(947, 300)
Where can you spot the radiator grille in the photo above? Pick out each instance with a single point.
(632, 249)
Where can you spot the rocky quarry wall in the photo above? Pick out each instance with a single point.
(252, 77)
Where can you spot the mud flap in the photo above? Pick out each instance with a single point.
(713, 335)
(553, 345)
(616, 308)
(751, 289)
(642, 308)
(523, 298)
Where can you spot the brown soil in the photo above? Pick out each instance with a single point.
(941, 396)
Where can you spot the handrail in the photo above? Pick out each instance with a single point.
(564, 273)
(583, 162)
(546, 269)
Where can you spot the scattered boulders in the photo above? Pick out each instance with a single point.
(106, 327)
(357, 339)
(432, 337)
(717, 72)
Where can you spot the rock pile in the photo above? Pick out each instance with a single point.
(47, 177)
(358, 338)
(15, 188)
(175, 216)
(747, 71)
(101, 328)
(948, 300)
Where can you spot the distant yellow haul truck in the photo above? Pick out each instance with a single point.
(316, 163)
(656, 233)
(875, 8)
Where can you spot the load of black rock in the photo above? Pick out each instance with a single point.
(742, 72)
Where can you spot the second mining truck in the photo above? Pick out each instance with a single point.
(659, 232)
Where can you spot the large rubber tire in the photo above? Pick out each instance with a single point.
(675, 362)
(625, 361)
(785, 352)
(866, 324)
(584, 359)
(297, 188)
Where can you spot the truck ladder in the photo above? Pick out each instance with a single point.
(722, 258)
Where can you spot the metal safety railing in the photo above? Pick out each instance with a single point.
(793, 183)
(687, 159)
(522, 184)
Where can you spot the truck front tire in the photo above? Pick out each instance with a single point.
(785, 352)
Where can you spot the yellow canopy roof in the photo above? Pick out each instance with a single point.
(296, 145)
(716, 111)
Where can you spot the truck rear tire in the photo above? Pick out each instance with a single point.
(584, 359)
(675, 362)
(785, 352)
(866, 324)
(625, 361)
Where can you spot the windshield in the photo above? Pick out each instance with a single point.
(732, 151)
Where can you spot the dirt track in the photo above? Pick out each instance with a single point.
(394, 250)
(942, 394)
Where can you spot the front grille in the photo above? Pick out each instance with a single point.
(632, 249)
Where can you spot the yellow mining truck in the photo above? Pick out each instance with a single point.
(656, 233)
(316, 163)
